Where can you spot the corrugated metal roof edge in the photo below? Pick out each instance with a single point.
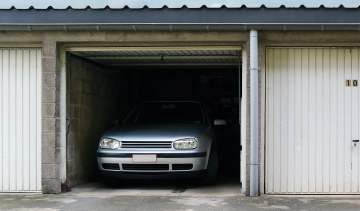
(322, 6)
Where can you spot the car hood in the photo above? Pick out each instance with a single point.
(156, 132)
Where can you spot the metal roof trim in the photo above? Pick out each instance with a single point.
(180, 27)
(184, 6)
(146, 7)
(188, 18)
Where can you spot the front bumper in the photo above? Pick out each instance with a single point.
(165, 164)
(128, 175)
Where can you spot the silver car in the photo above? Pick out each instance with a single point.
(161, 138)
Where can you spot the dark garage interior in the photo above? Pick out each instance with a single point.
(103, 87)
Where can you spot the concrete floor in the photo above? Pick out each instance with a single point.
(133, 197)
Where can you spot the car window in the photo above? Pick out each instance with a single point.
(168, 113)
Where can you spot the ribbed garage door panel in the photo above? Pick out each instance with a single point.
(20, 118)
(311, 119)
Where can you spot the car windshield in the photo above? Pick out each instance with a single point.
(168, 113)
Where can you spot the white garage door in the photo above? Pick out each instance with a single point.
(20, 115)
(312, 120)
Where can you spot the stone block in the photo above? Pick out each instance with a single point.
(49, 79)
(51, 185)
(48, 148)
(49, 65)
(49, 125)
(48, 95)
(48, 109)
(49, 171)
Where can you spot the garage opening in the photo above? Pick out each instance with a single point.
(105, 85)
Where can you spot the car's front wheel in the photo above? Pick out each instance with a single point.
(213, 166)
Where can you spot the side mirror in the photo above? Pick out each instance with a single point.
(219, 122)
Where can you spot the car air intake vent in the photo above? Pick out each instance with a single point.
(145, 167)
(111, 166)
(146, 144)
(182, 167)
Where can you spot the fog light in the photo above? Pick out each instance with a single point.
(185, 144)
(108, 143)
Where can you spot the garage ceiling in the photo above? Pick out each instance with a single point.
(157, 56)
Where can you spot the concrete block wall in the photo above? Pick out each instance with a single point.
(91, 106)
(50, 119)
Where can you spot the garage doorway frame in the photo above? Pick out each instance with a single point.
(243, 96)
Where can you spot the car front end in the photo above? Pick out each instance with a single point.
(121, 156)
(158, 138)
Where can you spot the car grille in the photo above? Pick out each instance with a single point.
(146, 144)
(145, 167)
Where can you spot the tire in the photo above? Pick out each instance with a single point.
(211, 172)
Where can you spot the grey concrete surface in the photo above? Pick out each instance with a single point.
(92, 94)
(133, 197)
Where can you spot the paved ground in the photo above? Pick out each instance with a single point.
(133, 197)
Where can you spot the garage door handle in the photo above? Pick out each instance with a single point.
(355, 142)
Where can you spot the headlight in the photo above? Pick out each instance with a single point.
(186, 143)
(108, 143)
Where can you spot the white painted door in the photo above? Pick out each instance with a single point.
(20, 118)
(312, 119)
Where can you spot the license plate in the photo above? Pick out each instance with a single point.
(144, 158)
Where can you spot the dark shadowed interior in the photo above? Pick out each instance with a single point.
(100, 93)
